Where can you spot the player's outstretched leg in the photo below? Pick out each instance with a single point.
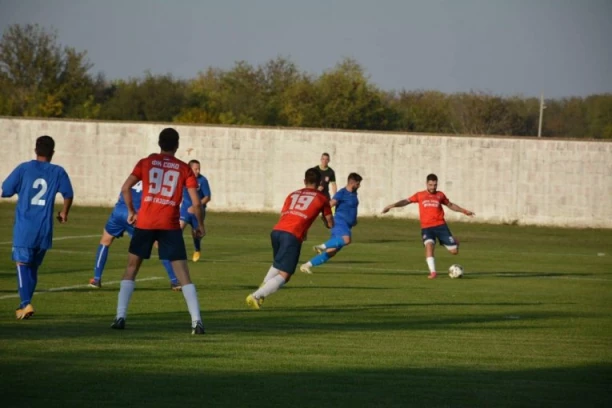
(255, 299)
(317, 260)
(326, 251)
(334, 242)
(101, 257)
(197, 245)
(174, 282)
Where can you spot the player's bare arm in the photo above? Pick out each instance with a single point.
(126, 191)
(400, 203)
(328, 220)
(333, 187)
(456, 208)
(197, 211)
(205, 200)
(332, 202)
(62, 216)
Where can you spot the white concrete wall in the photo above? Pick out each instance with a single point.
(530, 181)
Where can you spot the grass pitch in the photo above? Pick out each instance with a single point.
(530, 325)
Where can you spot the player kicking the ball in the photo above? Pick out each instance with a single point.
(433, 224)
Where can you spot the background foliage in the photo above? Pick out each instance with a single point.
(41, 78)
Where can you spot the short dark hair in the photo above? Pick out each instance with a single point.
(193, 161)
(355, 177)
(325, 154)
(432, 177)
(45, 145)
(312, 177)
(168, 139)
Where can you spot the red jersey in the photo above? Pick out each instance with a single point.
(300, 210)
(431, 212)
(163, 178)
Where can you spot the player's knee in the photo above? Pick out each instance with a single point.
(454, 251)
(286, 276)
(107, 239)
(347, 240)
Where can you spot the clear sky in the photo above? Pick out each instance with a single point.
(559, 47)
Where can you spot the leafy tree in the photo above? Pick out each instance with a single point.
(41, 77)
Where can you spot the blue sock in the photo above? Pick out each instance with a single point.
(196, 244)
(320, 259)
(170, 271)
(34, 280)
(334, 242)
(101, 257)
(25, 284)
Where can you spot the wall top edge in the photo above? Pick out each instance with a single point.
(302, 129)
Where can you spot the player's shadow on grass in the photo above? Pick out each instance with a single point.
(382, 240)
(522, 275)
(300, 286)
(149, 377)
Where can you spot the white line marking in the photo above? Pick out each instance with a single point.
(40, 292)
(61, 238)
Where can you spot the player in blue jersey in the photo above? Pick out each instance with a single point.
(187, 217)
(345, 218)
(36, 184)
(115, 227)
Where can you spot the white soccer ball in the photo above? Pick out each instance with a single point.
(455, 271)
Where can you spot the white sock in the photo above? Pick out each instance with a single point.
(431, 263)
(191, 297)
(270, 287)
(272, 272)
(308, 264)
(126, 289)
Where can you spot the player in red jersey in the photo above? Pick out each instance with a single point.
(433, 224)
(299, 211)
(163, 178)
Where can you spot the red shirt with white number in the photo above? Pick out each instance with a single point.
(431, 212)
(163, 178)
(300, 210)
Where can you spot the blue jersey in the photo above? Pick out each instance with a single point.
(203, 191)
(346, 207)
(36, 183)
(136, 199)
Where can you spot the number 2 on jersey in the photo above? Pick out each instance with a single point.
(163, 182)
(37, 199)
(300, 202)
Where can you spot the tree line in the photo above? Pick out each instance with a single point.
(41, 78)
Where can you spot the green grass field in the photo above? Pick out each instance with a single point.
(529, 326)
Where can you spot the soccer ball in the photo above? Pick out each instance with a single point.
(455, 271)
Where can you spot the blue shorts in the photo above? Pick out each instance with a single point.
(286, 249)
(190, 219)
(117, 224)
(340, 229)
(31, 256)
(441, 233)
(171, 244)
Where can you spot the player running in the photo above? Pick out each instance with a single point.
(187, 217)
(163, 178)
(345, 218)
(299, 212)
(433, 224)
(36, 183)
(116, 225)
